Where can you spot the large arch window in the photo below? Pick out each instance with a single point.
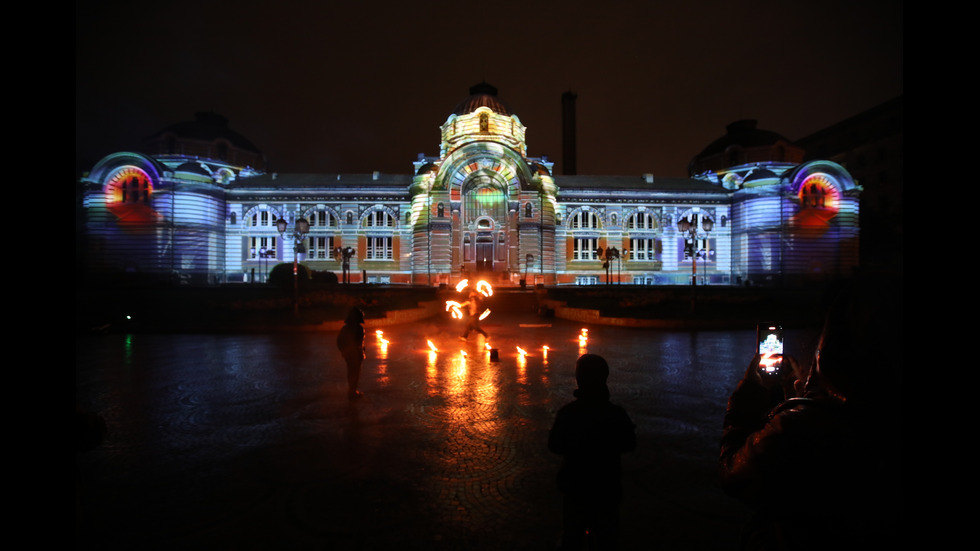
(642, 220)
(379, 243)
(482, 201)
(320, 219)
(585, 225)
(379, 218)
(129, 185)
(644, 246)
(584, 219)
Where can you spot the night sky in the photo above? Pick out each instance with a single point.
(354, 87)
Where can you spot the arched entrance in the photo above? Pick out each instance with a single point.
(484, 225)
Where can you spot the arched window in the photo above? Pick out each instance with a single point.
(379, 219)
(584, 219)
(528, 210)
(320, 219)
(642, 221)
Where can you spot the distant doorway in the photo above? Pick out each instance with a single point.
(484, 253)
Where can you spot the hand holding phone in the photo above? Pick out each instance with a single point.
(770, 347)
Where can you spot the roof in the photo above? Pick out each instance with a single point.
(482, 95)
(207, 127)
(742, 133)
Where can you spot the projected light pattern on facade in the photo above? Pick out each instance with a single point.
(482, 206)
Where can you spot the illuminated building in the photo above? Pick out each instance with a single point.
(199, 208)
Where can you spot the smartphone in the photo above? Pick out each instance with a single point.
(770, 339)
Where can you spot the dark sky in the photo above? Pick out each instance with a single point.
(326, 86)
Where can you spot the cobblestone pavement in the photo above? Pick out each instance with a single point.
(249, 441)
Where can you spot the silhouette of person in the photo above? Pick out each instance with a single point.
(473, 316)
(822, 470)
(350, 341)
(590, 434)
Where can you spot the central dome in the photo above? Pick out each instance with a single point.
(482, 95)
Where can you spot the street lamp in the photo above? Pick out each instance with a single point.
(690, 227)
(299, 232)
(607, 256)
(346, 253)
(527, 264)
(264, 255)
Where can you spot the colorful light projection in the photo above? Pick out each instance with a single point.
(819, 197)
(127, 196)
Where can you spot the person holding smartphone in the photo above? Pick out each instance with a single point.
(814, 455)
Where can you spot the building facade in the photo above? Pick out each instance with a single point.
(198, 207)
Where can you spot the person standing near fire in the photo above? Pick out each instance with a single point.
(473, 316)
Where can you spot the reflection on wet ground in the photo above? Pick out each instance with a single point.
(249, 441)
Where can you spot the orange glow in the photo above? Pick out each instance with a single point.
(485, 313)
(484, 288)
(769, 362)
(432, 347)
(544, 350)
(521, 351)
(462, 285)
(486, 345)
(455, 308)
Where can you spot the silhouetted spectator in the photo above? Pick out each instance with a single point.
(824, 470)
(591, 433)
(350, 341)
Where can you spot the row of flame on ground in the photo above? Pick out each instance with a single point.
(583, 340)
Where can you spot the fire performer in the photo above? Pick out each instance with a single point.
(473, 316)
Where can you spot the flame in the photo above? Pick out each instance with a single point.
(521, 351)
(485, 313)
(485, 288)
(454, 307)
(462, 353)
(432, 347)
(544, 350)
(486, 345)
(462, 285)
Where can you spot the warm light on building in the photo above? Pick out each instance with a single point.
(482, 207)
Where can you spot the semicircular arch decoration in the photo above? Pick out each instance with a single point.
(128, 195)
(819, 196)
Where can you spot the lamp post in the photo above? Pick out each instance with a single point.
(690, 227)
(607, 256)
(264, 255)
(346, 253)
(527, 264)
(297, 235)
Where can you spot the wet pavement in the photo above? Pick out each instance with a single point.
(249, 441)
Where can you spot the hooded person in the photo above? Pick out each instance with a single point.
(822, 470)
(350, 341)
(591, 433)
